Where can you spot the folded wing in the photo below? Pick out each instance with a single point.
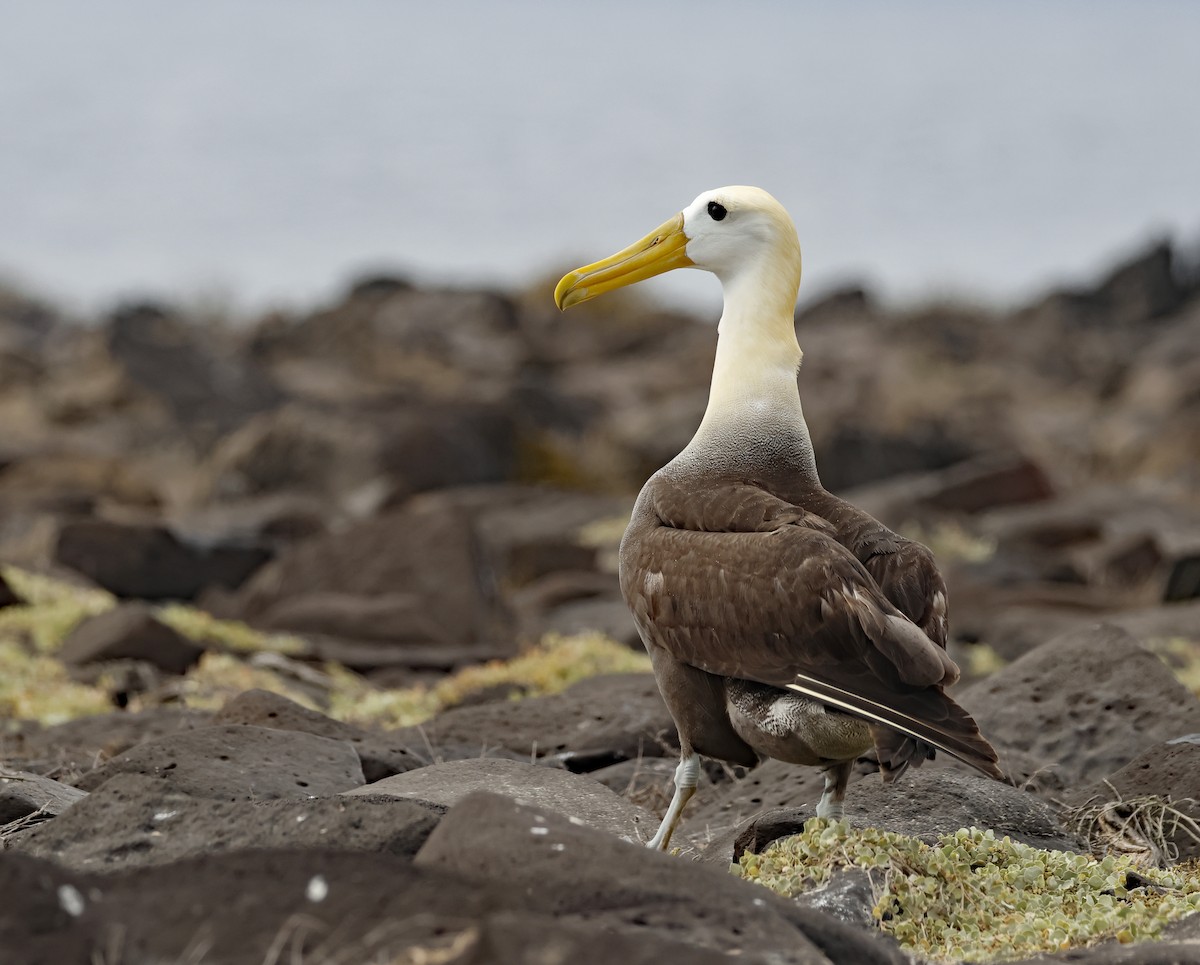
(769, 596)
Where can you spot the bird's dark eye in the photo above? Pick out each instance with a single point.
(716, 211)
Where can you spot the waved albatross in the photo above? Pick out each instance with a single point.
(781, 621)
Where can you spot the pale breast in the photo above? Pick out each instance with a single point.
(789, 727)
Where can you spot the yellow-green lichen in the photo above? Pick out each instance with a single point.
(547, 668)
(204, 628)
(551, 666)
(34, 686)
(982, 660)
(50, 610)
(218, 677)
(950, 541)
(973, 896)
(1182, 655)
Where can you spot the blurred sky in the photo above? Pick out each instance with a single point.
(269, 150)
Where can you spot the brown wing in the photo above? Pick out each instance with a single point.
(905, 571)
(908, 576)
(786, 605)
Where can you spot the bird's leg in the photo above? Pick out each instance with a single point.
(687, 775)
(837, 776)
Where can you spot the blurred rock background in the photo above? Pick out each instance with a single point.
(412, 480)
(303, 571)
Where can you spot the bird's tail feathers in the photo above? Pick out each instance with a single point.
(896, 752)
(956, 733)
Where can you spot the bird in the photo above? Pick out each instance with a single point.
(781, 621)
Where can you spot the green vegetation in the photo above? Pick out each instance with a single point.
(36, 686)
(973, 896)
(548, 668)
(1182, 656)
(227, 634)
(51, 609)
(950, 541)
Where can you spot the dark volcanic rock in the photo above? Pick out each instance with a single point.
(1104, 325)
(240, 762)
(771, 785)
(129, 632)
(402, 619)
(270, 521)
(398, 663)
(292, 449)
(76, 482)
(433, 573)
(335, 455)
(1177, 620)
(848, 896)
(579, 874)
(36, 925)
(8, 596)
(380, 754)
(22, 793)
(923, 804)
(1170, 771)
(573, 795)
(592, 724)
(530, 532)
(516, 938)
(645, 779)
(160, 911)
(855, 454)
(426, 550)
(316, 906)
(148, 561)
(207, 382)
(608, 615)
(137, 820)
(1082, 705)
(1134, 547)
(995, 479)
(447, 444)
(77, 746)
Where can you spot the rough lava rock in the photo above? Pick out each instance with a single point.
(22, 794)
(129, 631)
(923, 804)
(147, 561)
(1170, 771)
(577, 797)
(315, 907)
(381, 755)
(137, 820)
(426, 547)
(1083, 705)
(240, 762)
(207, 385)
(593, 723)
(579, 874)
(8, 596)
(771, 785)
(78, 746)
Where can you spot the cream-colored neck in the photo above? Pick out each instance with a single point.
(753, 390)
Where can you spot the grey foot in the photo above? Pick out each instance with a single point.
(687, 775)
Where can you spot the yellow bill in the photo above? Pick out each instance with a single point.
(661, 250)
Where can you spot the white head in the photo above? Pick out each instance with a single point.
(735, 229)
(744, 237)
(741, 234)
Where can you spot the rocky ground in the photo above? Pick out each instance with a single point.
(311, 646)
